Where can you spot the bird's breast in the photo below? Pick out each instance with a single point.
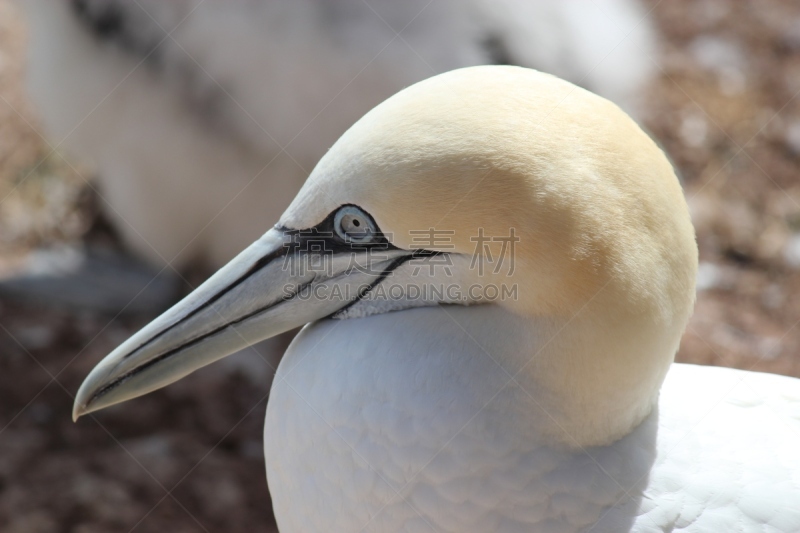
(404, 422)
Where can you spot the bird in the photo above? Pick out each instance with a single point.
(202, 118)
(494, 268)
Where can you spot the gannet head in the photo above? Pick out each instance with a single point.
(497, 176)
(484, 150)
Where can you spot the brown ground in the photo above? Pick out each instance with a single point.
(188, 458)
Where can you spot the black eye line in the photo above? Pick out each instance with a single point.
(326, 232)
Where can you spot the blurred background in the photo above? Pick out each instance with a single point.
(144, 143)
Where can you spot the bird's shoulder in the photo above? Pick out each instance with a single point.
(726, 453)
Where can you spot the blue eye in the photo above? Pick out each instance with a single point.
(354, 225)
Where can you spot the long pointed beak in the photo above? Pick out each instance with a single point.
(266, 290)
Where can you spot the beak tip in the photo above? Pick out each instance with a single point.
(79, 409)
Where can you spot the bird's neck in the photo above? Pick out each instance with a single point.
(593, 376)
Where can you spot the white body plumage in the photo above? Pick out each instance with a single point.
(378, 422)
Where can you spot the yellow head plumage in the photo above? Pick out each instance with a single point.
(593, 200)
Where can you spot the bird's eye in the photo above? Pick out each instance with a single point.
(354, 225)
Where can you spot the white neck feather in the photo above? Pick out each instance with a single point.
(595, 376)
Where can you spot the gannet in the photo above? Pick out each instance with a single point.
(558, 408)
(202, 118)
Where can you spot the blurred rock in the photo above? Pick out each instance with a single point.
(709, 276)
(790, 36)
(88, 279)
(773, 297)
(708, 13)
(35, 337)
(33, 522)
(253, 449)
(725, 58)
(155, 455)
(694, 129)
(109, 501)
